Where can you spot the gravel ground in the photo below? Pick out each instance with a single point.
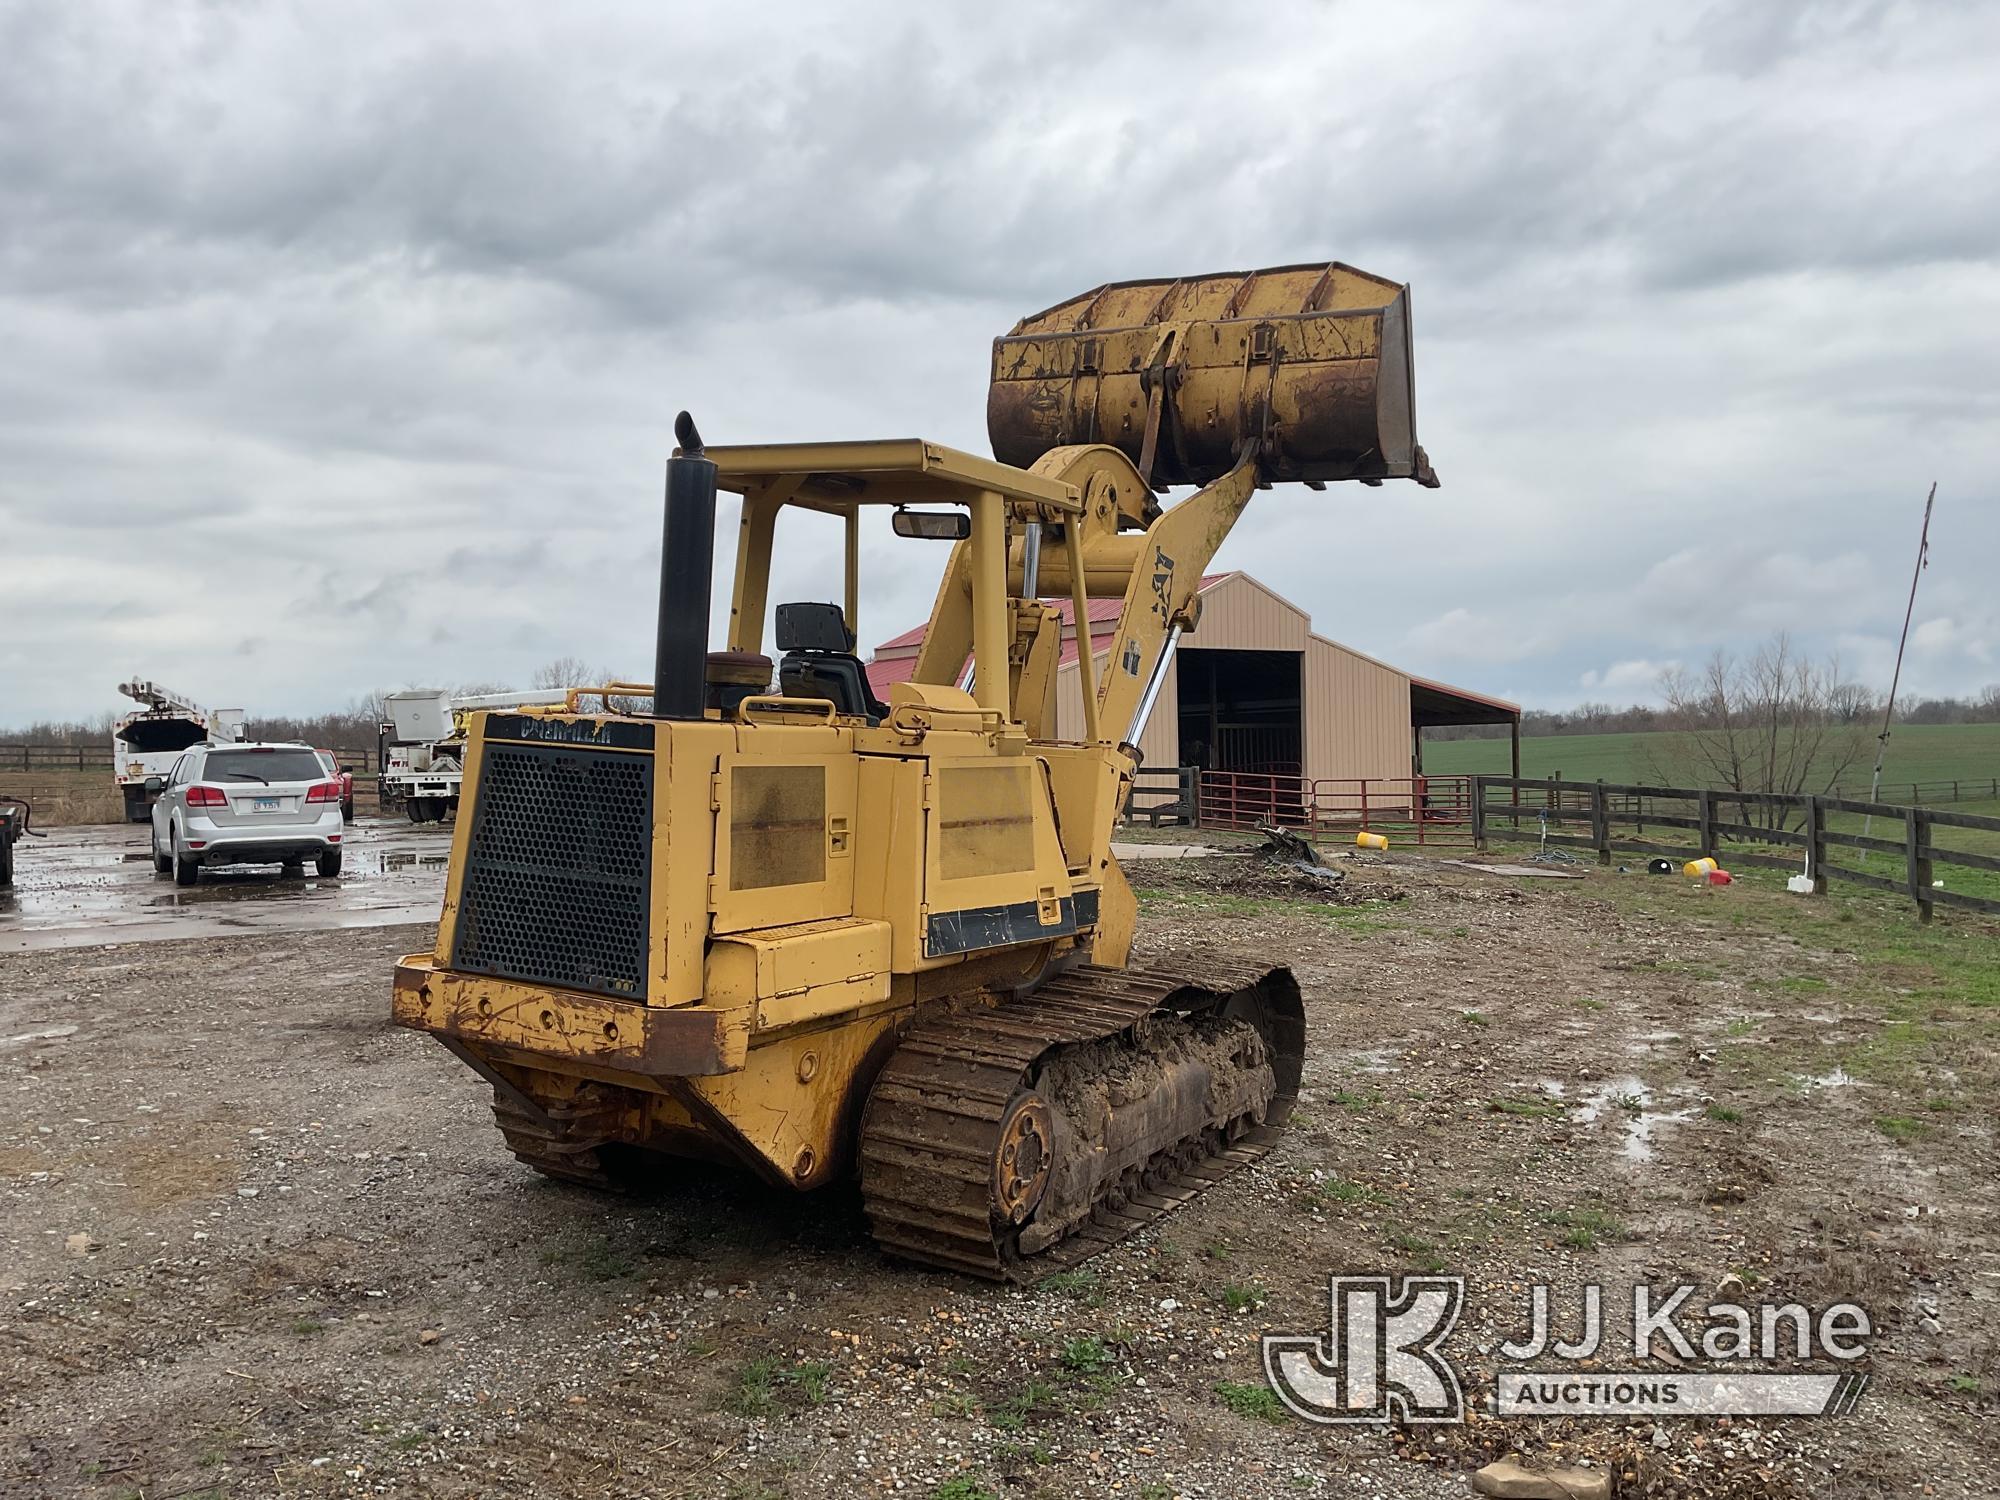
(260, 1242)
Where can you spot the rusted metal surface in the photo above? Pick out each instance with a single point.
(935, 1173)
(1311, 363)
(651, 1041)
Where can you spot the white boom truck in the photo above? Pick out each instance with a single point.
(148, 741)
(423, 746)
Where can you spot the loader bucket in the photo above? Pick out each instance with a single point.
(1310, 362)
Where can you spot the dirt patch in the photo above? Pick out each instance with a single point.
(317, 1271)
(1253, 875)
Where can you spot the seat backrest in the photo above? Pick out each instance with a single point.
(813, 627)
(819, 660)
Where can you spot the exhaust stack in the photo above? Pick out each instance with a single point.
(687, 556)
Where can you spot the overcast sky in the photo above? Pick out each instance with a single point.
(340, 344)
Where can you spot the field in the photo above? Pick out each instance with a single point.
(263, 1243)
(1917, 752)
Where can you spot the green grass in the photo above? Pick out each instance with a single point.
(1337, 1190)
(1900, 1128)
(1078, 1286)
(1917, 999)
(1239, 1298)
(1359, 1101)
(760, 1383)
(1532, 1109)
(1421, 1253)
(1722, 1114)
(1085, 1356)
(1366, 916)
(1917, 752)
(1034, 1399)
(962, 1488)
(1246, 1400)
(1586, 1228)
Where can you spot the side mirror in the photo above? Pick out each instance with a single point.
(156, 783)
(933, 525)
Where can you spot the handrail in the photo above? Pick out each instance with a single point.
(576, 695)
(778, 706)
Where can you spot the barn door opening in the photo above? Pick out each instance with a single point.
(1240, 711)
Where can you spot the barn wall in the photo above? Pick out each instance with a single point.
(1357, 714)
(1159, 741)
(1240, 614)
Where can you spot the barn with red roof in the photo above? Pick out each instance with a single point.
(1253, 689)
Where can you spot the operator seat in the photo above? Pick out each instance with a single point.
(819, 660)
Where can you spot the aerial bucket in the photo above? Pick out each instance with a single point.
(1310, 362)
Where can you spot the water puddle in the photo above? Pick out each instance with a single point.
(1628, 1104)
(89, 886)
(1371, 1060)
(1839, 1078)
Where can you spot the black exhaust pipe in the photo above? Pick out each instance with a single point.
(687, 556)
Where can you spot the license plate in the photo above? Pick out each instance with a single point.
(267, 804)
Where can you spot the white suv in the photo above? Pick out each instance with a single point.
(245, 805)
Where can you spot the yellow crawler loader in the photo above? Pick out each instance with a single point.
(825, 936)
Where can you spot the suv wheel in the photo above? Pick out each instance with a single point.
(328, 864)
(161, 863)
(186, 871)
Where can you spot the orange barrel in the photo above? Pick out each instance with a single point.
(1312, 362)
(1695, 869)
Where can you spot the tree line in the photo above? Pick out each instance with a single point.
(350, 727)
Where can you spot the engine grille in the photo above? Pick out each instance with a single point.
(558, 876)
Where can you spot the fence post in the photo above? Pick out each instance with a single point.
(1916, 850)
(1600, 822)
(1816, 843)
(1479, 813)
(1704, 812)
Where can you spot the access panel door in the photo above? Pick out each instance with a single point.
(784, 840)
(995, 871)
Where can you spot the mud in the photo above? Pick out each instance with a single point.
(260, 1242)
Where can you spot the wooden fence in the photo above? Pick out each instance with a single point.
(1505, 806)
(97, 756)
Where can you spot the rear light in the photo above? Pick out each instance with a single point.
(323, 791)
(206, 796)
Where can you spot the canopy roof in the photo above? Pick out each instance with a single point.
(1440, 703)
(837, 477)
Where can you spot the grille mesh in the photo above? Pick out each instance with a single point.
(557, 886)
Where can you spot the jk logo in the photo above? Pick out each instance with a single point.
(1378, 1360)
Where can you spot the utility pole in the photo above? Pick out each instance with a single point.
(1889, 710)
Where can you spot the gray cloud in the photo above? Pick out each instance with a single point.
(390, 309)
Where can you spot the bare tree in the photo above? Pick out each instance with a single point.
(574, 671)
(1775, 722)
(566, 672)
(1852, 703)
